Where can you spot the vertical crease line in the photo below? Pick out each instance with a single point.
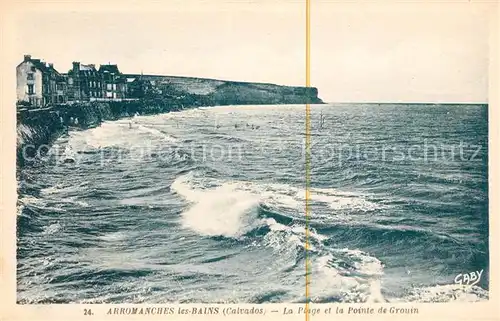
(307, 155)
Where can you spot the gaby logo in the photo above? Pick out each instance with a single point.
(471, 278)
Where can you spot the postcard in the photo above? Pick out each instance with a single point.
(249, 160)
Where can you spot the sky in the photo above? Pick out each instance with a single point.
(375, 53)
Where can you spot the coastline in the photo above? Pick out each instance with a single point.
(38, 128)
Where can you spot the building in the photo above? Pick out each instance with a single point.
(84, 82)
(139, 87)
(114, 83)
(62, 88)
(38, 83)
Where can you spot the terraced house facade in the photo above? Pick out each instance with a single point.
(84, 82)
(114, 83)
(39, 84)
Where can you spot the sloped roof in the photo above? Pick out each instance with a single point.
(40, 65)
(121, 80)
(44, 67)
(87, 67)
(109, 68)
(52, 69)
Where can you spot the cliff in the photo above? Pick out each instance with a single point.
(221, 92)
(37, 128)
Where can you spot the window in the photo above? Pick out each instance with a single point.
(109, 87)
(70, 81)
(31, 89)
(33, 69)
(31, 76)
(114, 86)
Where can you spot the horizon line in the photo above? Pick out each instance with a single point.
(406, 102)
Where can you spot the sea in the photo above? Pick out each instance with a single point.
(208, 205)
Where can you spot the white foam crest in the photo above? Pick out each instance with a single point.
(327, 281)
(274, 195)
(355, 263)
(113, 237)
(283, 195)
(275, 226)
(75, 201)
(341, 200)
(31, 200)
(184, 186)
(51, 229)
(357, 281)
(108, 134)
(156, 133)
(52, 189)
(280, 196)
(281, 237)
(223, 210)
(302, 230)
(284, 238)
(20, 209)
(446, 293)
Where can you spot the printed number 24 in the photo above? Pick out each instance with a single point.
(87, 312)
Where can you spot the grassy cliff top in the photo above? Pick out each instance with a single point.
(206, 86)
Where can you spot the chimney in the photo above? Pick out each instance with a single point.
(76, 66)
(51, 65)
(27, 58)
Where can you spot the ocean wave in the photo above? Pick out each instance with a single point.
(170, 228)
(62, 188)
(113, 237)
(221, 211)
(445, 293)
(283, 202)
(345, 275)
(383, 235)
(241, 210)
(51, 229)
(115, 134)
(32, 201)
(157, 133)
(228, 138)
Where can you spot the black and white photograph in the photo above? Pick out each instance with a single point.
(244, 152)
